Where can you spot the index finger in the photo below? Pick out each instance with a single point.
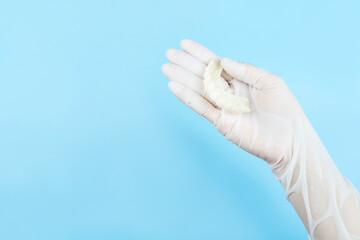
(198, 50)
(202, 53)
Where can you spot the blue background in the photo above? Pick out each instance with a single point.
(93, 145)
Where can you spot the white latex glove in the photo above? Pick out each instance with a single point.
(277, 131)
(266, 131)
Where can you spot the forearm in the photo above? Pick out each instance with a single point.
(327, 203)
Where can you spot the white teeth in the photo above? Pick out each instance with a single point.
(218, 95)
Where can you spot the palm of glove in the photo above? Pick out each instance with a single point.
(266, 132)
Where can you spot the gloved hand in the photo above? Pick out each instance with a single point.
(265, 132)
(277, 131)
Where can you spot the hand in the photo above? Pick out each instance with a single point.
(277, 131)
(267, 131)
